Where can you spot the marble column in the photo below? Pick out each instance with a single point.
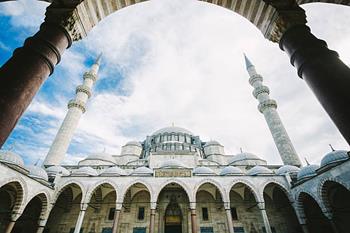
(27, 69)
(10, 226)
(229, 220)
(262, 209)
(152, 220)
(80, 220)
(193, 217)
(41, 225)
(323, 71)
(116, 220)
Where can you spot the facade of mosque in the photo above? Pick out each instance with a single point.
(173, 182)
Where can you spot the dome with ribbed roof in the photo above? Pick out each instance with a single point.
(259, 170)
(246, 158)
(172, 163)
(85, 171)
(11, 158)
(98, 159)
(142, 171)
(307, 172)
(37, 173)
(113, 171)
(287, 169)
(334, 157)
(55, 170)
(203, 171)
(212, 143)
(172, 129)
(133, 143)
(231, 170)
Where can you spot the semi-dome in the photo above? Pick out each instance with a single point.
(172, 163)
(307, 172)
(259, 170)
(287, 169)
(203, 171)
(37, 173)
(98, 159)
(142, 171)
(230, 170)
(334, 157)
(11, 158)
(113, 171)
(133, 143)
(55, 170)
(85, 171)
(172, 129)
(212, 143)
(246, 159)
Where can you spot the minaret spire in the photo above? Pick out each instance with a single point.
(76, 107)
(268, 108)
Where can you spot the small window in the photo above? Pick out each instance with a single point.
(141, 213)
(205, 215)
(111, 214)
(234, 213)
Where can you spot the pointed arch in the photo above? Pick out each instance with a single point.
(182, 184)
(97, 185)
(66, 185)
(247, 184)
(281, 186)
(148, 187)
(215, 184)
(21, 194)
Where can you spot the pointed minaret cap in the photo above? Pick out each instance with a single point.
(98, 59)
(247, 61)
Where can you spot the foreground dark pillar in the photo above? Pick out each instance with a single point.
(22, 75)
(326, 75)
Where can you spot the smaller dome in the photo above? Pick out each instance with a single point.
(246, 159)
(307, 172)
(101, 156)
(11, 158)
(142, 171)
(230, 170)
(203, 171)
(172, 163)
(133, 143)
(37, 173)
(54, 170)
(113, 171)
(287, 169)
(259, 170)
(172, 129)
(334, 157)
(85, 171)
(212, 143)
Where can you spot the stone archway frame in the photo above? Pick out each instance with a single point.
(121, 197)
(322, 192)
(45, 199)
(249, 185)
(21, 195)
(300, 207)
(97, 185)
(66, 185)
(280, 185)
(182, 184)
(216, 184)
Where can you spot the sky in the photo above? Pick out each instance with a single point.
(174, 62)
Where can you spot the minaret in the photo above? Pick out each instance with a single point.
(268, 107)
(76, 108)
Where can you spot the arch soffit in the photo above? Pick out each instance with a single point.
(149, 188)
(68, 183)
(280, 185)
(300, 206)
(216, 184)
(91, 12)
(45, 198)
(22, 190)
(98, 184)
(249, 185)
(178, 182)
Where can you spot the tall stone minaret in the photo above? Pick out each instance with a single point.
(268, 107)
(76, 108)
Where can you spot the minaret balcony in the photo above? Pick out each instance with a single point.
(89, 75)
(266, 105)
(84, 89)
(254, 78)
(77, 104)
(259, 90)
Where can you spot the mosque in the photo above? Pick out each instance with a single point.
(173, 182)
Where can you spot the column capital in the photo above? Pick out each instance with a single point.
(227, 205)
(153, 205)
(287, 15)
(261, 205)
(192, 205)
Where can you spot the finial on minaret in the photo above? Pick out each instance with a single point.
(330, 145)
(307, 162)
(241, 150)
(248, 63)
(98, 59)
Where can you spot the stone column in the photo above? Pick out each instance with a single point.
(23, 74)
(323, 71)
(41, 225)
(152, 220)
(193, 217)
(229, 220)
(10, 226)
(116, 220)
(80, 220)
(261, 206)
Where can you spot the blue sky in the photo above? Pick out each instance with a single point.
(174, 61)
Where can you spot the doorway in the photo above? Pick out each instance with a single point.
(173, 218)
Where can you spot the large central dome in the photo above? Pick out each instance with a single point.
(172, 129)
